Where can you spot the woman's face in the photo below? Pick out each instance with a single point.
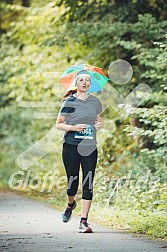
(83, 83)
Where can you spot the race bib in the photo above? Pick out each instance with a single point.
(86, 133)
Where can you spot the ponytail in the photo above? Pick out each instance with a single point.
(68, 93)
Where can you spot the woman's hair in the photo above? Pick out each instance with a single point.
(68, 93)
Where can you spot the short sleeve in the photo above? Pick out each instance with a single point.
(99, 107)
(66, 109)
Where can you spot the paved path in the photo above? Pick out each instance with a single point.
(27, 225)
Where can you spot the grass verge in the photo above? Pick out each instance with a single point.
(137, 222)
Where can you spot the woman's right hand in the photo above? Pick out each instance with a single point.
(79, 127)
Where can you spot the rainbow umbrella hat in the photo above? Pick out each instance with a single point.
(98, 77)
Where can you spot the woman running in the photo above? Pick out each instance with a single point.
(79, 117)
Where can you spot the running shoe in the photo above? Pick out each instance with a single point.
(66, 216)
(84, 227)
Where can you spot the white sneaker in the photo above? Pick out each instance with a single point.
(84, 227)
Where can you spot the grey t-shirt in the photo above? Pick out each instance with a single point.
(79, 111)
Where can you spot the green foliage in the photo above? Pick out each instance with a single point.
(37, 44)
(115, 30)
(154, 224)
(152, 125)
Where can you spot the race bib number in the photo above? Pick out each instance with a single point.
(86, 133)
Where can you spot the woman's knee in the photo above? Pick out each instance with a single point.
(73, 183)
(87, 194)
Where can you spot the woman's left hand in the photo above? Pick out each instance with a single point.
(97, 125)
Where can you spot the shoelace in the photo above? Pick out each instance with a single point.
(68, 209)
(86, 224)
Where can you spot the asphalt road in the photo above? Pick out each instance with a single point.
(28, 225)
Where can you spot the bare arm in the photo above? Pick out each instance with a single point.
(61, 124)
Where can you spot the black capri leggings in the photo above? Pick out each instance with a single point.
(72, 160)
